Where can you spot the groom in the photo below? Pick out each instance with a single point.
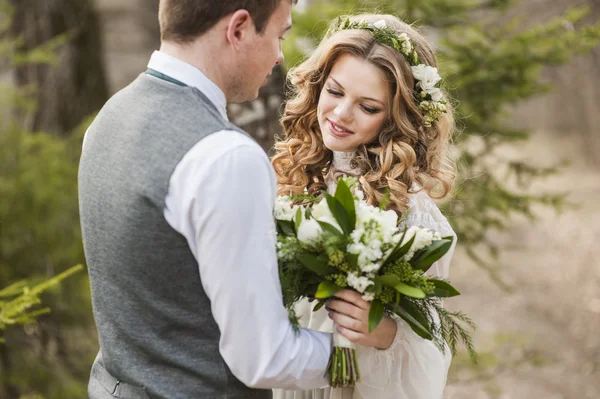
(176, 213)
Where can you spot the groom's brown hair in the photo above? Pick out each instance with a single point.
(184, 20)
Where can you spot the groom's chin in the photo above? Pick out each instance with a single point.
(245, 97)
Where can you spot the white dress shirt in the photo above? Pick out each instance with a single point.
(220, 198)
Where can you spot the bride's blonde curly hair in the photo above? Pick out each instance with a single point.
(405, 152)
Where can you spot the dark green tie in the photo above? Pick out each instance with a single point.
(162, 76)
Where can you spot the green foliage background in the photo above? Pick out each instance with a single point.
(39, 239)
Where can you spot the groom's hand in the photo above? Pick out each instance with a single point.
(351, 314)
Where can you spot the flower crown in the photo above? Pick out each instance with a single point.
(428, 95)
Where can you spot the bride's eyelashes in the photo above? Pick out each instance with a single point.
(366, 108)
(334, 93)
(370, 110)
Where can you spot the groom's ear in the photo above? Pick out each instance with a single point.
(240, 27)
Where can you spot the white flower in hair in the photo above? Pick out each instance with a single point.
(436, 94)
(407, 46)
(380, 24)
(427, 76)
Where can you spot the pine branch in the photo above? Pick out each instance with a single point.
(454, 332)
(22, 298)
(446, 327)
(294, 319)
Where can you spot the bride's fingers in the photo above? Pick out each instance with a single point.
(353, 336)
(353, 297)
(345, 308)
(347, 322)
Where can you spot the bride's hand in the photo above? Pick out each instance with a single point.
(351, 314)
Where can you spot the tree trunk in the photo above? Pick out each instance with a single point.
(76, 86)
(7, 390)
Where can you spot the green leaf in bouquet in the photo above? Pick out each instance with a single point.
(339, 213)
(444, 289)
(420, 329)
(308, 212)
(319, 305)
(298, 218)
(345, 197)
(286, 228)
(330, 229)
(317, 264)
(428, 256)
(375, 314)
(401, 250)
(352, 259)
(416, 312)
(377, 287)
(327, 289)
(409, 290)
(391, 280)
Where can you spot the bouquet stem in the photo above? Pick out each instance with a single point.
(343, 366)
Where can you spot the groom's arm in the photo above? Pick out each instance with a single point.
(221, 199)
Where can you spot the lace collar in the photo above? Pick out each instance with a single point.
(342, 162)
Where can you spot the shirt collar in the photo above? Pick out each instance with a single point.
(191, 76)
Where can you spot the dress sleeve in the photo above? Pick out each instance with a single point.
(412, 367)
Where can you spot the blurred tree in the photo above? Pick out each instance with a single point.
(39, 232)
(148, 20)
(78, 73)
(487, 68)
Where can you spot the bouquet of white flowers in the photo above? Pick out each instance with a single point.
(334, 242)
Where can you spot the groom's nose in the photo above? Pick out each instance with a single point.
(280, 57)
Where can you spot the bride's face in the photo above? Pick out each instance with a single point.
(353, 104)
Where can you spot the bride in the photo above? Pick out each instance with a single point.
(355, 112)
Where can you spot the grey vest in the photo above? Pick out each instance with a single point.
(158, 338)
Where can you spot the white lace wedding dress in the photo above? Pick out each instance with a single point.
(412, 367)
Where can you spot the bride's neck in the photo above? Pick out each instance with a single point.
(342, 162)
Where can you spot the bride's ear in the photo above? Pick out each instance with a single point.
(239, 28)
